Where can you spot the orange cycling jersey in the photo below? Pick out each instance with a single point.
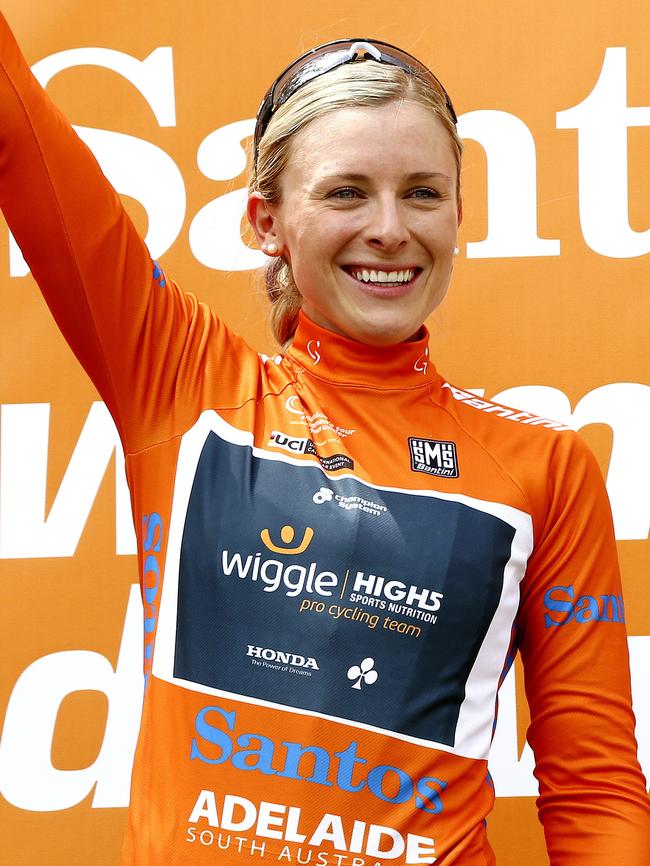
(340, 554)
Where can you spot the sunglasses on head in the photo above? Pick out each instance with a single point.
(329, 56)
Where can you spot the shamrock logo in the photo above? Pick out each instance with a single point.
(363, 672)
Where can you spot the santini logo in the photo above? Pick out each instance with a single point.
(281, 657)
(433, 456)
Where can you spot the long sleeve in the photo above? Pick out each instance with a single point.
(143, 341)
(593, 803)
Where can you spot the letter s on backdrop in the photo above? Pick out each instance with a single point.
(135, 167)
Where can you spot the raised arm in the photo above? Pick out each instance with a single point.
(593, 802)
(143, 342)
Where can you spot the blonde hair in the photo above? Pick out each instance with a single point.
(353, 85)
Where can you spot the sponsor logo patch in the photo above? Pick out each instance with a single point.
(304, 445)
(276, 659)
(318, 423)
(434, 456)
(339, 571)
(565, 608)
(363, 673)
(502, 411)
(349, 503)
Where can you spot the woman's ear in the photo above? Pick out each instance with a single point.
(263, 221)
(460, 209)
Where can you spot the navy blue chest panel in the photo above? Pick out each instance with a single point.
(389, 609)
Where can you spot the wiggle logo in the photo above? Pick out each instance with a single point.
(273, 573)
(287, 534)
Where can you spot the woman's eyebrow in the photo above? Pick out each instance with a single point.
(355, 177)
(428, 175)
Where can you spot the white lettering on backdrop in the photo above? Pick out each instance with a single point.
(135, 167)
(27, 778)
(145, 172)
(602, 121)
(26, 532)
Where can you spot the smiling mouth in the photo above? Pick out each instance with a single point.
(383, 279)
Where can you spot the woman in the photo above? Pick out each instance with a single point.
(340, 552)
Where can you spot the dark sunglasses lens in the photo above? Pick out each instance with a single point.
(321, 60)
(300, 73)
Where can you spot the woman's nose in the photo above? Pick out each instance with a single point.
(387, 229)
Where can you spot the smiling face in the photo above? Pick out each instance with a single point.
(367, 219)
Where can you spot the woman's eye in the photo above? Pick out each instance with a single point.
(424, 192)
(346, 194)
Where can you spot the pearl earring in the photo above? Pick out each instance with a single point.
(456, 251)
(271, 249)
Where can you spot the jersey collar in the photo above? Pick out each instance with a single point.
(334, 358)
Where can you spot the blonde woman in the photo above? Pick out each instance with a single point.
(340, 552)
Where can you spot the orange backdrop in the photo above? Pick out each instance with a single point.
(549, 309)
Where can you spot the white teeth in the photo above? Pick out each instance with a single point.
(384, 276)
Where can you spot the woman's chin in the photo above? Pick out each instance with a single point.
(381, 331)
